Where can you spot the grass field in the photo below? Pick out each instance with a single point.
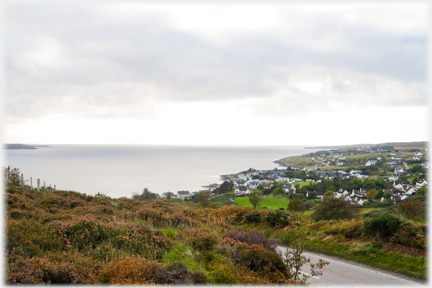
(270, 203)
(367, 210)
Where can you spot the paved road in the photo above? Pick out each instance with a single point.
(346, 273)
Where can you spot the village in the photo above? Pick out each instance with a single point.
(402, 171)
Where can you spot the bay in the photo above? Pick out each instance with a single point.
(121, 170)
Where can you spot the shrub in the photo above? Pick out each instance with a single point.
(278, 218)
(408, 235)
(58, 268)
(353, 231)
(152, 215)
(384, 224)
(254, 217)
(130, 270)
(334, 208)
(260, 260)
(253, 237)
(296, 205)
(412, 208)
(178, 218)
(175, 273)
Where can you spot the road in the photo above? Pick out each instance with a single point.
(347, 273)
(319, 161)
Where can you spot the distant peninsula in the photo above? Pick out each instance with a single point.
(22, 146)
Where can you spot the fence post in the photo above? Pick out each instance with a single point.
(8, 173)
(38, 184)
(54, 187)
(31, 183)
(22, 180)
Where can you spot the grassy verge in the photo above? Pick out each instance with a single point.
(371, 256)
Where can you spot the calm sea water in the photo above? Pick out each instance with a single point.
(122, 170)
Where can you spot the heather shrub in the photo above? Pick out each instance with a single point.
(179, 218)
(408, 235)
(278, 218)
(254, 217)
(152, 215)
(57, 268)
(130, 270)
(31, 237)
(384, 224)
(233, 274)
(354, 231)
(252, 237)
(24, 271)
(259, 259)
(199, 277)
(174, 273)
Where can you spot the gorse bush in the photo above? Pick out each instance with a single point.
(384, 224)
(253, 218)
(278, 218)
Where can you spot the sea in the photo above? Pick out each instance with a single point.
(123, 170)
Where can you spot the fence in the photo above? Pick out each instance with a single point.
(12, 176)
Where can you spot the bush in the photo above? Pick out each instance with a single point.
(130, 270)
(354, 231)
(408, 235)
(175, 273)
(334, 208)
(179, 218)
(296, 205)
(278, 218)
(58, 268)
(152, 215)
(253, 237)
(260, 260)
(384, 224)
(254, 217)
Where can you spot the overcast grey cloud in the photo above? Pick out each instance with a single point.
(118, 60)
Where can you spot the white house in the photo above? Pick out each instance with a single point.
(416, 157)
(283, 179)
(287, 188)
(418, 153)
(394, 177)
(420, 183)
(242, 190)
(399, 170)
(183, 194)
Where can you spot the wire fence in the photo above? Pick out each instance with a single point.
(13, 177)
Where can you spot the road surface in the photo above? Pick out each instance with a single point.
(347, 273)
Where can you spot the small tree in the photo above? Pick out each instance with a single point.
(296, 205)
(255, 198)
(372, 193)
(203, 197)
(412, 208)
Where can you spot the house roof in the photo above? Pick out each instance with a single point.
(183, 192)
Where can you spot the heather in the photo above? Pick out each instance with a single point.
(68, 237)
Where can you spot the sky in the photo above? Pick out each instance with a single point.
(229, 73)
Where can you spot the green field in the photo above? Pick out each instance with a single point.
(367, 210)
(270, 203)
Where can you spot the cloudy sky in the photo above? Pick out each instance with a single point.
(268, 73)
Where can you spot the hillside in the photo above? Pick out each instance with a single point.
(69, 237)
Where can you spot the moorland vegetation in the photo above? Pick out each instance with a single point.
(69, 237)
